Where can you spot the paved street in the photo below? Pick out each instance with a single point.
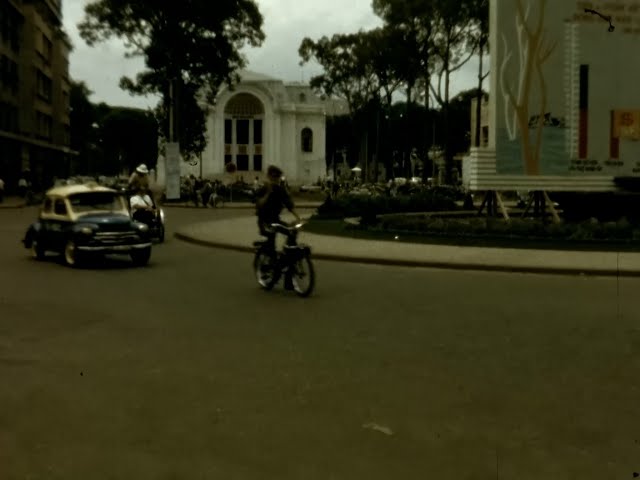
(186, 370)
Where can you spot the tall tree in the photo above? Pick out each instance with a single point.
(414, 22)
(480, 15)
(129, 137)
(455, 45)
(83, 117)
(348, 74)
(188, 46)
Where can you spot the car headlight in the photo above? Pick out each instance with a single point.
(142, 227)
(86, 230)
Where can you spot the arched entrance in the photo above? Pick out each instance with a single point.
(243, 132)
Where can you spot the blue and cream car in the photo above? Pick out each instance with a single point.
(83, 220)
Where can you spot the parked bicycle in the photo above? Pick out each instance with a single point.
(294, 262)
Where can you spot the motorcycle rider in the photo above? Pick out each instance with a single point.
(271, 199)
(139, 179)
(142, 206)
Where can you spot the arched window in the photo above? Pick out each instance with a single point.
(307, 140)
(244, 105)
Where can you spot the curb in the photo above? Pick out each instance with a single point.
(12, 207)
(427, 264)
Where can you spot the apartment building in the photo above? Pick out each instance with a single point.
(34, 92)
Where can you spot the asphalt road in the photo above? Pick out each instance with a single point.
(186, 370)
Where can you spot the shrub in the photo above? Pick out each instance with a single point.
(370, 205)
(517, 228)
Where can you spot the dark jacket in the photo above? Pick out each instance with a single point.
(269, 205)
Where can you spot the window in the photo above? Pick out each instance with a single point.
(44, 86)
(257, 163)
(10, 25)
(307, 140)
(257, 132)
(48, 205)
(242, 132)
(59, 207)
(66, 101)
(302, 98)
(8, 74)
(243, 162)
(96, 201)
(8, 117)
(244, 105)
(228, 131)
(44, 125)
(67, 135)
(47, 49)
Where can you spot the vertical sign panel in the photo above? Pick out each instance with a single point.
(173, 171)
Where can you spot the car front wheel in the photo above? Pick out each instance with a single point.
(37, 251)
(141, 257)
(71, 254)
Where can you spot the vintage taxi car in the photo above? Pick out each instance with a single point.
(82, 220)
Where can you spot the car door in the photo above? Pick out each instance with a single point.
(44, 219)
(58, 224)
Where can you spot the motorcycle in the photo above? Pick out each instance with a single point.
(294, 262)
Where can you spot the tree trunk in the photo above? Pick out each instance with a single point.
(448, 153)
(407, 130)
(479, 101)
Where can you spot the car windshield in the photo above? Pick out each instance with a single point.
(91, 202)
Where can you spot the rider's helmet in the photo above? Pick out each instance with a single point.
(142, 169)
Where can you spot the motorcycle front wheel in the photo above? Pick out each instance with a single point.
(303, 277)
(264, 267)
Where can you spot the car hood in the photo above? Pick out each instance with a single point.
(106, 219)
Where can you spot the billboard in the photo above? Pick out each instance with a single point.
(565, 94)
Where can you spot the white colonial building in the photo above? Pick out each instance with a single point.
(263, 121)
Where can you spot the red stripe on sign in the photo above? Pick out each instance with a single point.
(614, 142)
(582, 134)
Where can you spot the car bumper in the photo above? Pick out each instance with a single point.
(113, 248)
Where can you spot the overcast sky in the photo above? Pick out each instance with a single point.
(286, 23)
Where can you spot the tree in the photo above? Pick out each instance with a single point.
(129, 137)
(454, 47)
(188, 46)
(192, 132)
(460, 119)
(348, 74)
(83, 134)
(415, 27)
(480, 15)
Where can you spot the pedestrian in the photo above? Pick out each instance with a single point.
(139, 179)
(207, 192)
(22, 186)
(197, 189)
